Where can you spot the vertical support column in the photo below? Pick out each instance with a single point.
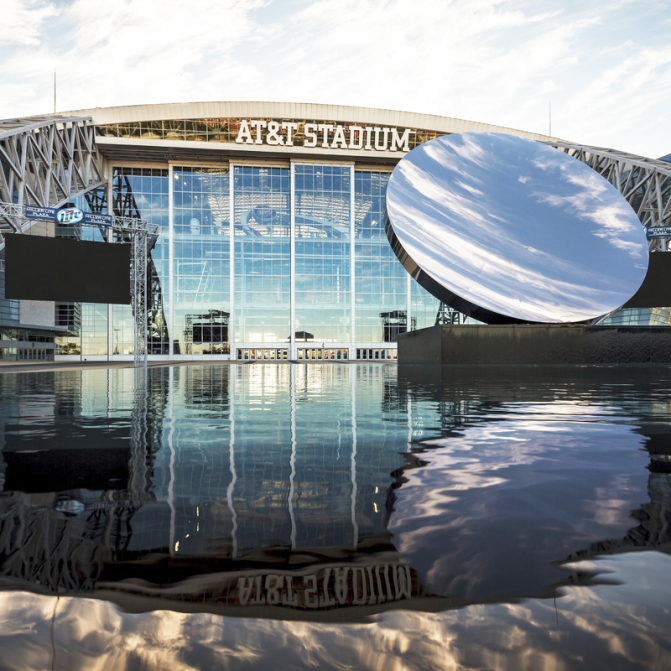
(110, 238)
(293, 354)
(20, 185)
(139, 232)
(231, 257)
(352, 234)
(171, 264)
(408, 301)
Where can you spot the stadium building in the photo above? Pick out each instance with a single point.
(271, 239)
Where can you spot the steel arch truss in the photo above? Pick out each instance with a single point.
(644, 182)
(45, 161)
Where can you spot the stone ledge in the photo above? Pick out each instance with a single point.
(532, 344)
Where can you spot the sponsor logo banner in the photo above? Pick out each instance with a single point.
(68, 215)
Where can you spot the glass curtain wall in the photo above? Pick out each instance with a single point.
(381, 287)
(424, 306)
(322, 199)
(143, 192)
(201, 265)
(202, 255)
(262, 251)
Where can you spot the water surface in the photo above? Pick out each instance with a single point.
(336, 516)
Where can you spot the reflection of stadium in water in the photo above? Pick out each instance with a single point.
(275, 486)
(224, 486)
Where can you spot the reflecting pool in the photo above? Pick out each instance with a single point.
(336, 516)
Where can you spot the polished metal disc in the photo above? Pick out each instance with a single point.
(510, 230)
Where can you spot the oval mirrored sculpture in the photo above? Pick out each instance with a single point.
(509, 230)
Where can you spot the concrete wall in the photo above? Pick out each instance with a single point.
(536, 344)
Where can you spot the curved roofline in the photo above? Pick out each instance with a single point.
(282, 110)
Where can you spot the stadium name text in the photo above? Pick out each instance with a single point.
(371, 138)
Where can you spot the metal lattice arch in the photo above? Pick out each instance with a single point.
(645, 183)
(46, 161)
(50, 160)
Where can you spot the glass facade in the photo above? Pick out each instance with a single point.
(201, 260)
(308, 274)
(424, 307)
(262, 253)
(9, 308)
(381, 310)
(323, 252)
(639, 317)
(143, 192)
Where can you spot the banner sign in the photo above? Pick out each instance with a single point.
(97, 219)
(41, 212)
(658, 232)
(68, 215)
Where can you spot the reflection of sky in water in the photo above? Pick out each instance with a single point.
(502, 488)
(517, 227)
(601, 628)
(565, 466)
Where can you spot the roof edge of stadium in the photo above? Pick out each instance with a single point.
(284, 110)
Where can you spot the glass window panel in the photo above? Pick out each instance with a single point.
(381, 296)
(262, 253)
(202, 260)
(322, 205)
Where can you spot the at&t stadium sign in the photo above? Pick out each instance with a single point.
(326, 135)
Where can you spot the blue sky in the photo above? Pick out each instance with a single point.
(605, 66)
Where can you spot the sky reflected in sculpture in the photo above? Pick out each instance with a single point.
(517, 228)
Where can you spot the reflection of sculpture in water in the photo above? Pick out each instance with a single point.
(653, 531)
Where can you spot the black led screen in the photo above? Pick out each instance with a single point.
(655, 292)
(61, 269)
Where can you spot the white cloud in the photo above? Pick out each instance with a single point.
(606, 66)
(22, 20)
